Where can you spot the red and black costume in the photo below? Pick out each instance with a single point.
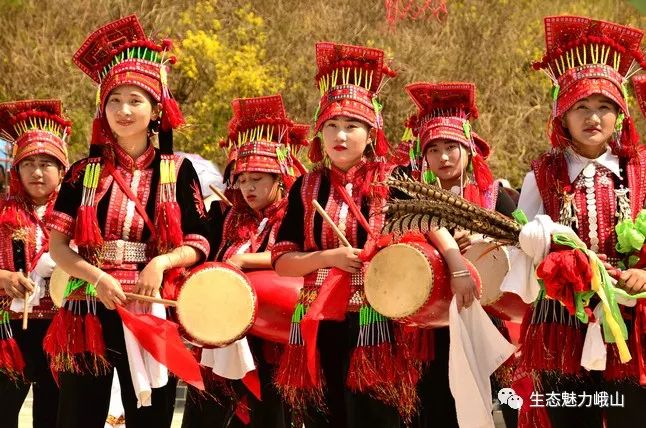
(34, 127)
(444, 111)
(585, 57)
(121, 212)
(261, 139)
(352, 367)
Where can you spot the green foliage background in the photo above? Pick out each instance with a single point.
(238, 48)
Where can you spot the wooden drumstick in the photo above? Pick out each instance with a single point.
(25, 312)
(334, 227)
(220, 195)
(142, 298)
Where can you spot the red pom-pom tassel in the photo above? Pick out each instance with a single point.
(315, 153)
(172, 116)
(381, 145)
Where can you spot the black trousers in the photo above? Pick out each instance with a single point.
(37, 374)
(202, 411)
(630, 415)
(85, 399)
(346, 409)
(437, 406)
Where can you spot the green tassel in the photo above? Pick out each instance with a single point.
(520, 216)
(619, 124)
(376, 105)
(316, 113)
(429, 177)
(555, 92)
(367, 316)
(74, 284)
(299, 313)
(466, 127)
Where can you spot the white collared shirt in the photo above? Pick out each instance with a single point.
(530, 200)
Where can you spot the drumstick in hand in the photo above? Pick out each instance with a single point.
(334, 227)
(220, 195)
(150, 299)
(25, 310)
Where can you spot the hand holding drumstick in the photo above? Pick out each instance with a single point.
(345, 258)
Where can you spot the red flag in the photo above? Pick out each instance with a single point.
(162, 340)
(331, 303)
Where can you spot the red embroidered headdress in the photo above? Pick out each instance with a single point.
(444, 111)
(349, 79)
(34, 127)
(119, 53)
(639, 85)
(263, 139)
(584, 56)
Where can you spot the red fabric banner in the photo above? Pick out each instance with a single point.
(162, 340)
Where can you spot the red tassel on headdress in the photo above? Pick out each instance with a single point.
(172, 116)
(481, 172)
(381, 145)
(97, 132)
(315, 153)
(628, 140)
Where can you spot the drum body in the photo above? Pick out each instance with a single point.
(216, 304)
(410, 283)
(492, 262)
(277, 296)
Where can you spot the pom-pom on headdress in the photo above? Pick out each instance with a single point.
(119, 53)
(34, 127)
(349, 79)
(585, 56)
(263, 139)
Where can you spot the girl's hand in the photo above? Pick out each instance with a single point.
(465, 291)
(344, 258)
(109, 291)
(16, 284)
(633, 281)
(150, 278)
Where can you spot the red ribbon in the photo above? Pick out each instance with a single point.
(252, 382)
(162, 340)
(331, 303)
(356, 212)
(110, 169)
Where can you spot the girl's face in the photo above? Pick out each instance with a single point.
(259, 189)
(447, 159)
(344, 141)
(129, 110)
(40, 175)
(591, 122)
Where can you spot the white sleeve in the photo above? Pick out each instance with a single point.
(530, 200)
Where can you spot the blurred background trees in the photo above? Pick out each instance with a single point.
(241, 48)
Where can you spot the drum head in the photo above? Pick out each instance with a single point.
(58, 285)
(492, 263)
(399, 281)
(216, 305)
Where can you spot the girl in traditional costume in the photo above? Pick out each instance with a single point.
(135, 212)
(38, 132)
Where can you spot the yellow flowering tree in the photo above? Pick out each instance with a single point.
(222, 55)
